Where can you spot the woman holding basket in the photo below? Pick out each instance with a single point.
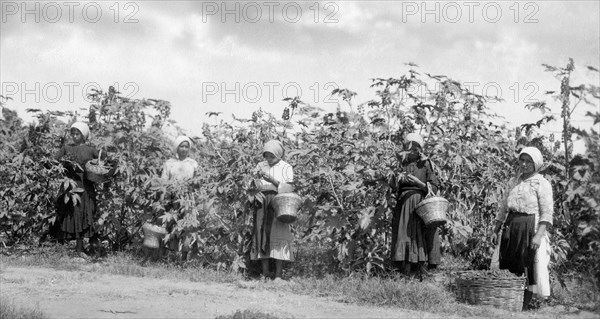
(413, 244)
(271, 238)
(526, 215)
(77, 220)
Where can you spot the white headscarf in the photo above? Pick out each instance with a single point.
(274, 147)
(83, 128)
(180, 139)
(414, 137)
(536, 156)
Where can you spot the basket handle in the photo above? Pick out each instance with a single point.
(429, 190)
(100, 157)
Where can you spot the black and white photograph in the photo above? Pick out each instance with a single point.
(299, 159)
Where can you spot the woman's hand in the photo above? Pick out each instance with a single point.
(495, 232)
(259, 197)
(411, 179)
(269, 178)
(536, 242)
(402, 178)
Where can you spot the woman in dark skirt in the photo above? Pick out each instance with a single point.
(413, 244)
(526, 214)
(77, 220)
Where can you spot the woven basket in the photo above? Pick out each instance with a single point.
(153, 235)
(505, 293)
(286, 207)
(432, 209)
(96, 170)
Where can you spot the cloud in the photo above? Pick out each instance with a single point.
(176, 47)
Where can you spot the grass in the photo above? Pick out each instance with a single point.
(248, 314)
(8, 310)
(434, 295)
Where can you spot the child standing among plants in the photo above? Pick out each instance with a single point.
(272, 239)
(76, 218)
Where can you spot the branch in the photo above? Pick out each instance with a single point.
(216, 150)
(575, 106)
(335, 194)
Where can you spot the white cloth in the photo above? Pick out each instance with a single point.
(175, 169)
(180, 139)
(540, 269)
(282, 172)
(274, 147)
(536, 157)
(83, 128)
(414, 137)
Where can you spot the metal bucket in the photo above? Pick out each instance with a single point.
(153, 235)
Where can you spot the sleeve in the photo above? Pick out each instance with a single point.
(545, 201)
(259, 166)
(502, 211)
(288, 174)
(61, 152)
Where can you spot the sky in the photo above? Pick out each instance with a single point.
(236, 57)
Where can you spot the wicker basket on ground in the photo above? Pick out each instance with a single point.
(498, 288)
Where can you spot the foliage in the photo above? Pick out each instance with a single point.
(576, 181)
(8, 310)
(345, 164)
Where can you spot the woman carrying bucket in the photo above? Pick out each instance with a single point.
(413, 244)
(271, 238)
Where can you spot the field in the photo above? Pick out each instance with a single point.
(346, 169)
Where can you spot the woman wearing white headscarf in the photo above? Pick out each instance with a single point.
(77, 221)
(181, 167)
(526, 215)
(178, 169)
(413, 244)
(271, 238)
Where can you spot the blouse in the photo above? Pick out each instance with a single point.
(282, 171)
(423, 170)
(80, 154)
(530, 196)
(175, 169)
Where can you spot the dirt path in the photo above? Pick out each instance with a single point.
(84, 294)
(80, 294)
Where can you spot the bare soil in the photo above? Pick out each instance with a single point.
(78, 294)
(83, 294)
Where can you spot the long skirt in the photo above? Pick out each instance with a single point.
(411, 240)
(271, 238)
(515, 252)
(76, 221)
